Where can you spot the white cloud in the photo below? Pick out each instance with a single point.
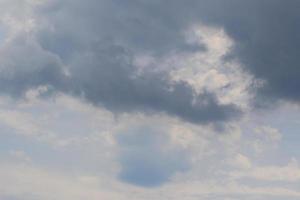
(208, 71)
(17, 16)
(27, 181)
(241, 161)
(30, 182)
(288, 173)
(20, 155)
(215, 190)
(268, 133)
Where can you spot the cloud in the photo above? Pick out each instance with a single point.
(288, 173)
(241, 161)
(85, 50)
(169, 70)
(29, 183)
(16, 179)
(24, 66)
(266, 37)
(92, 57)
(113, 84)
(151, 157)
(265, 33)
(268, 133)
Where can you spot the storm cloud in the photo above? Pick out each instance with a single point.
(84, 50)
(87, 49)
(266, 35)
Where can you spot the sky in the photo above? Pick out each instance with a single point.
(142, 100)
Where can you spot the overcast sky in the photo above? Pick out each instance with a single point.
(149, 99)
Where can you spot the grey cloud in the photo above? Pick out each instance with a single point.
(265, 32)
(267, 41)
(152, 26)
(96, 41)
(24, 65)
(107, 79)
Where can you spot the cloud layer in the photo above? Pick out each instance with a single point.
(139, 99)
(93, 57)
(97, 50)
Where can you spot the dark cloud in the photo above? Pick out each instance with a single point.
(266, 35)
(95, 42)
(273, 52)
(267, 41)
(108, 79)
(24, 65)
(265, 32)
